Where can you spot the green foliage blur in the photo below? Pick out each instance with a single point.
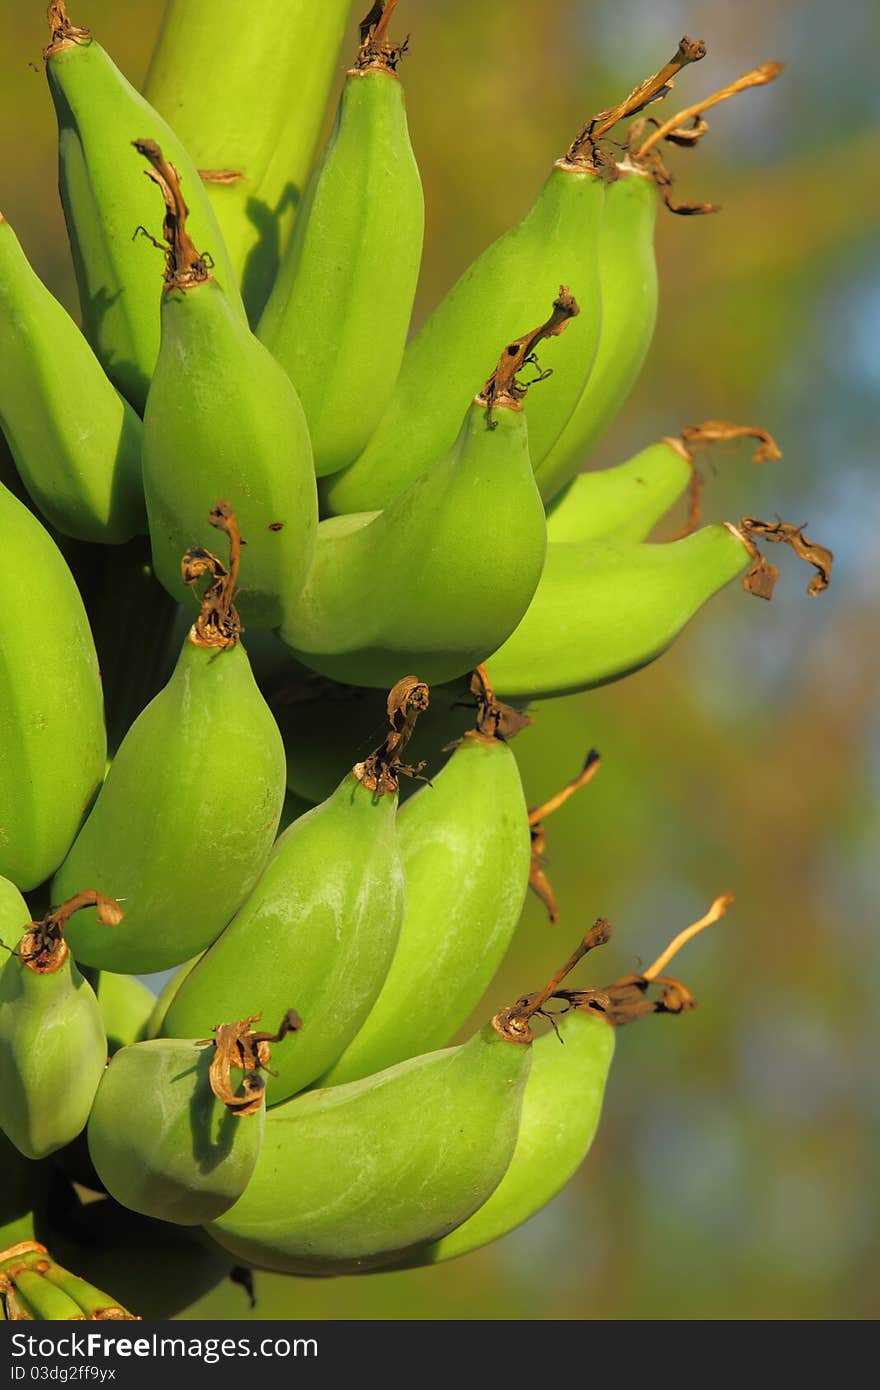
(736, 1170)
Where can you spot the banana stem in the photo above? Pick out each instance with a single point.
(756, 78)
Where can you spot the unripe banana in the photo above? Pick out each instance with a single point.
(76, 442)
(172, 1133)
(107, 200)
(564, 1092)
(52, 741)
(222, 418)
(431, 578)
(126, 1006)
(560, 1115)
(627, 501)
(246, 90)
(354, 1177)
(606, 608)
(624, 502)
(323, 920)
(466, 852)
(32, 1281)
(627, 267)
(186, 818)
(628, 280)
(34, 1286)
(508, 285)
(52, 1043)
(339, 312)
(42, 1300)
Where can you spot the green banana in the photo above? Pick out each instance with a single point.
(186, 818)
(52, 740)
(560, 1115)
(126, 1006)
(506, 286)
(323, 920)
(338, 315)
(466, 853)
(346, 1180)
(76, 442)
(606, 608)
(246, 92)
(435, 578)
(34, 1283)
(53, 1048)
(107, 200)
(43, 1300)
(627, 266)
(564, 1092)
(624, 502)
(627, 501)
(222, 416)
(171, 1134)
(628, 279)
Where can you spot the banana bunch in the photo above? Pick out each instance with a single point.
(285, 774)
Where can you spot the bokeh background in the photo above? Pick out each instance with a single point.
(736, 1171)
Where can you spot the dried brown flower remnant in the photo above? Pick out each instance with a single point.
(62, 31)
(381, 771)
(538, 880)
(503, 387)
(627, 999)
(495, 720)
(711, 432)
(761, 578)
(185, 266)
(218, 623)
(238, 1047)
(514, 1023)
(653, 88)
(43, 949)
(377, 50)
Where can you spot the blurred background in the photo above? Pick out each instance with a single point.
(736, 1171)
